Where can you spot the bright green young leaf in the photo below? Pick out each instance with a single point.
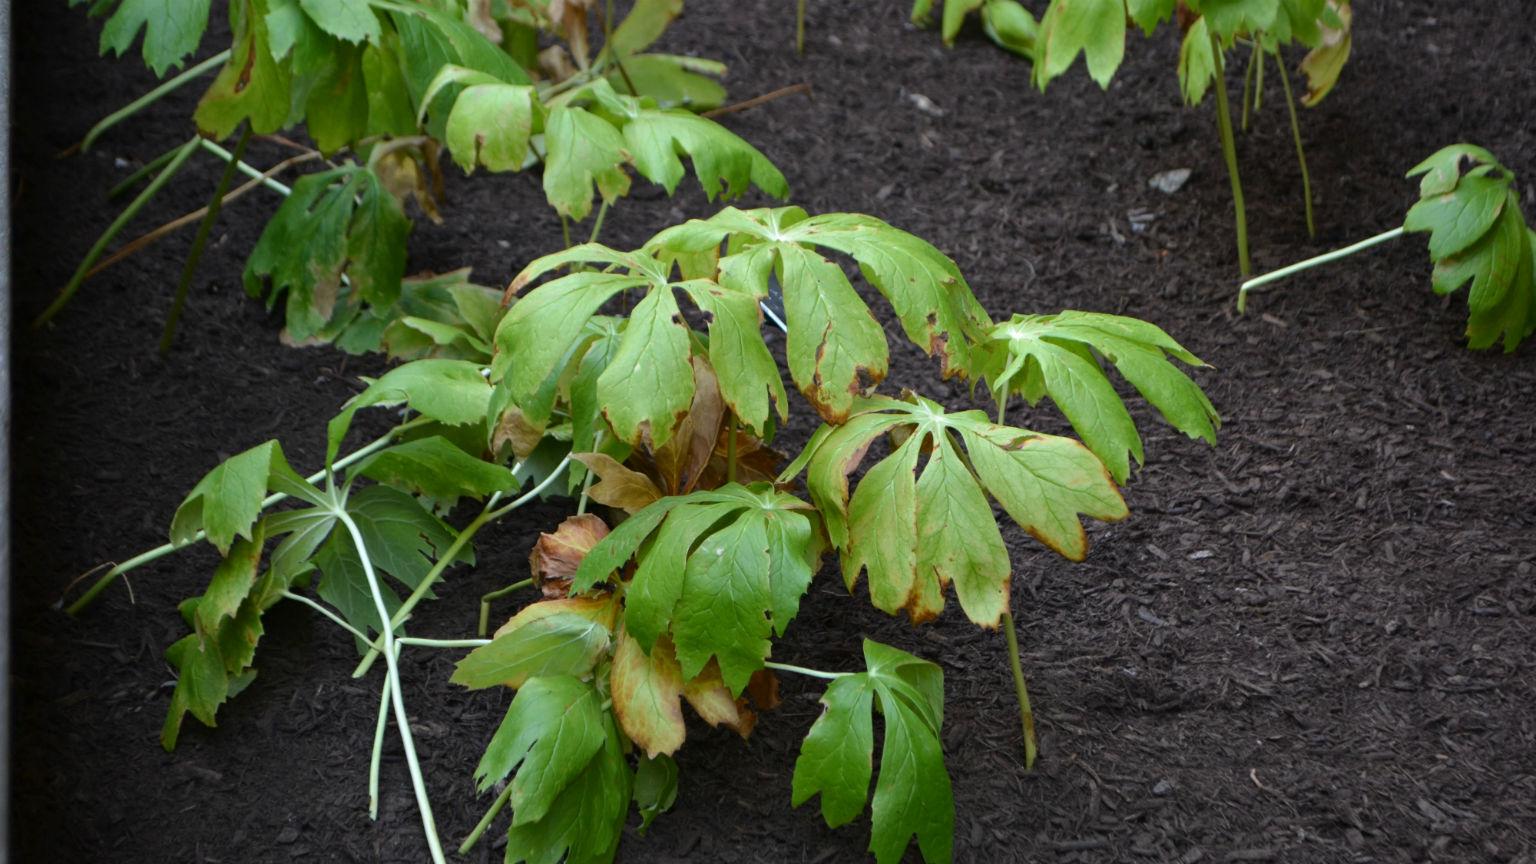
(655, 788)
(338, 224)
(172, 29)
(1094, 28)
(564, 643)
(226, 502)
(1478, 235)
(1197, 63)
(912, 795)
(452, 392)
(1010, 26)
(438, 469)
(722, 571)
(1059, 356)
(898, 523)
(646, 21)
(349, 20)
(252, 85)
(491, 125)
(583, 150)
(673, 81)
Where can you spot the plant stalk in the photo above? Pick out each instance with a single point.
(441, 643)
(730, 450)
(336, 619)
(165, 549)
(800, 27)
(1301, 153)
(597, 225)
(1254, 63)
(1026, 713)
(118, 224)
(485, 603)
(485, 821)
(200, 242)
(147, 169)
(385, 694)
(1277, 275)
(486, 517)
(423, 804)
(801, 670)
(248, 170)
(152, 97)
(1229, 152)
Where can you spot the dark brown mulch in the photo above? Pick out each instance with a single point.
(1315, 642)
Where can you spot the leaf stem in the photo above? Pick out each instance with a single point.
(402, 721)
(246, 169)
(337, 619)
(1299, 266)
(1229, 152)
(118, 224)
(441, 643)
(147, 169)
(1254, 63)
(597, 226)
(1026, 713)
(165, 549)
(1301, 153)
(200, 242)
(801, 670)
(485, 603)
(385, 694)
(152, 97)
(730, 450)
(800, 27)
(485, 821)
(447, 558)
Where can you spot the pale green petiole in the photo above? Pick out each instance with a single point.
(485, 603)
(1242, 292)
(487, 516)
(801, 670)
(152, 97)
(428, 824)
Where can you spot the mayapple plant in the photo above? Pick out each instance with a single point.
(1096, 29)
(687, 597)
(394, 83)
(1469, 205)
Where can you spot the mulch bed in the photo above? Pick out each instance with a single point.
(1315, 642)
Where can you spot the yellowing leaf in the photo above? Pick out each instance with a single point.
(556, 557)
(647, 691)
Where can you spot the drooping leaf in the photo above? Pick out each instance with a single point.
(1197, 63)
(898, 524)
(1325, 62)
(172, 29)
(617, 485)
(1149, 13)
(336, 243)
(553, 728)
(1230, 18)
(673, 80)
(1094, 28)
(721, 571)
(912, 795)
(585, 821)
(647, 693)
(251, 85)
(556, 556)
(227, 501)
(583, 150)
(1478, 235)
(655, 788)
(1059, 356)
(1010, 26)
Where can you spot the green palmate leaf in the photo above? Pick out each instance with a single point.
(1230, 18)
(836, 349)
(554, 637)
(913, 795)
(226, 502)
(1094, 28)
(252, 85)
(899, 525)
(172, 29)
(452, 392)
(441, 317)
(1059, 356)
(1478, 235)
(402, 539)
(338, 224)
(438, 469)
(722, 571)
(586, 819)
(491, 125)
(1149, 13)
(553, 728)
(673, 81)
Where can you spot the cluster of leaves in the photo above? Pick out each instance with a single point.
(391, 81)
(1478, 235)
(669, 423)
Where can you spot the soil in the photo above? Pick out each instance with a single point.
(1314, 642)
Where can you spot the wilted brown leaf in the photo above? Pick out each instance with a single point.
(712, 701)
(764, 690)
(618, 486)
(556, 556)
(684, 457)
